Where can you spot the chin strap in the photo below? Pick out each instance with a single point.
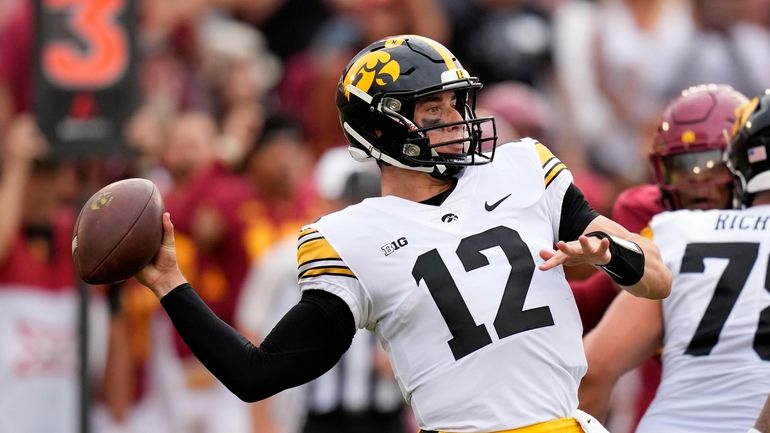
(626, 265)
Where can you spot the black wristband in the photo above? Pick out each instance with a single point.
(626, 265)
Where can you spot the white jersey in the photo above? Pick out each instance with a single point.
(716, 373)
(478, 337)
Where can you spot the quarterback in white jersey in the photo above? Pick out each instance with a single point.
(426, 279)
(454, 267)
(716, 347)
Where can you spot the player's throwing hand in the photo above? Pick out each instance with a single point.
(591, 250)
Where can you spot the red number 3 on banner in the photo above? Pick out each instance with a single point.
(106, 57)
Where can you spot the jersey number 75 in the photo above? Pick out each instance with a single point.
(741, 257)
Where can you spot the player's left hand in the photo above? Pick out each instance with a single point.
(586, 250)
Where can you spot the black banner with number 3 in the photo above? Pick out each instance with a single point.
(85, 69)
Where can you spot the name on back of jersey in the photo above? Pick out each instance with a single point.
(742, 221)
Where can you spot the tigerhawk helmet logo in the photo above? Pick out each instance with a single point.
(373, 67)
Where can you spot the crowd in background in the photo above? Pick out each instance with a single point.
(237, 111)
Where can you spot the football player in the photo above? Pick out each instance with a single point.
(454, 267)
(715, 326)
(687, 165)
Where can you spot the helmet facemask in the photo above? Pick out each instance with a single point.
(695, 180)
(445, 158)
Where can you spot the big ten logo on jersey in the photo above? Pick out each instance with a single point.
(391, 247)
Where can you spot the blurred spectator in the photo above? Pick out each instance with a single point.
(38, 292)
(17, 35)
(235, 60)
(312, 74)
(288, 25)
(242, 75)
(518, 106)
(637, 50)
(146, 133)
(727, 46)
(6, 6)
(205, 199)
(522, 111)
(355, 23)
(359, 395)
(505, 40)
(645, 51)
(278, 168)
(222, 222)
(583, 112)
(170, 80)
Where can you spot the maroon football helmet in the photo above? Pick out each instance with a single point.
(687, 154)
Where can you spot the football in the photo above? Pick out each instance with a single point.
(118, 231)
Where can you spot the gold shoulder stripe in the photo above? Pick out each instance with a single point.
(551, 164)
(316, 257)
(553, 172)
(315, 249)
(543, 153)
(306, 231)
(331, 270)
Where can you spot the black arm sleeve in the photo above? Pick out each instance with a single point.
(576, 214)
(306, 343)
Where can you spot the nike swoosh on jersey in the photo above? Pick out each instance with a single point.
(491, 207)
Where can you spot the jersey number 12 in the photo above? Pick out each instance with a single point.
(511, 317)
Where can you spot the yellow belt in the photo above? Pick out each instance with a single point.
(561, 425)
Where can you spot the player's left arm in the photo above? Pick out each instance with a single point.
(586, 237)
(631, 260)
